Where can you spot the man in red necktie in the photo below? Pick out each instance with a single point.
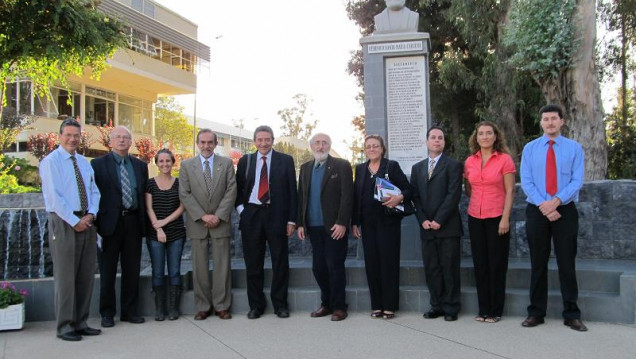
(552, 169)
(266, 202)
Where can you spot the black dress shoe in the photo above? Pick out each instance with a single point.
(108, 322)
(134, 319)
(254, 314)
(532, 321)
(282, 313)
(89, 331)
(575, 324)
(70, 337)
(450, 317)
(433, 313)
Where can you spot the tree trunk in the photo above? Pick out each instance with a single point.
(502, 107)
(577, 90)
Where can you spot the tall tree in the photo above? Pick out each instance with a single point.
(619, 17)
(49, 40)
(171, 125)
(554, 40)
(296, 121)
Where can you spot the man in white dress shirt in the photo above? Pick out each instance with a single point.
(71, 199)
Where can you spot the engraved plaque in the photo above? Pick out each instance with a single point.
(406, 109)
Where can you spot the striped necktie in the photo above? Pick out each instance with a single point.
(126, 190)
(207, 175)
(431, 167)
(81, 189)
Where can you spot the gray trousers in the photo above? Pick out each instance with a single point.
(74, 263)
(217, 294)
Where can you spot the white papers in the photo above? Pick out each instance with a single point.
(384, 189)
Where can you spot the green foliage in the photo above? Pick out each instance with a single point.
(542, 34)
(296, 123)
(50, 40)
(171, 125)
(9, 182)
(11, 124)
(10, 296)
(25, 173)
(621, 138)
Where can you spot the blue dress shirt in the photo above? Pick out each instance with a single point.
(570, 170)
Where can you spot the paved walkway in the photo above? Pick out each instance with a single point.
(406, 336)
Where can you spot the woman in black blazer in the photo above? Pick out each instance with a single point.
(380, 232)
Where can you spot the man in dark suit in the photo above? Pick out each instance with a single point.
(266, 201)
(121, 179)
(325, 193)
(437, 183)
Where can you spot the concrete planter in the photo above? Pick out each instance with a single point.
(12, 317)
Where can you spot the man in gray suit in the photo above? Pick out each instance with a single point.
(325, 202)
(437, 185)
(207, 189)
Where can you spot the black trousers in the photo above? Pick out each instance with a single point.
(441, 258)
(563, 233)
(329, 267)
(124, 244)
(490, 258)
(255, 235)
(381, 243)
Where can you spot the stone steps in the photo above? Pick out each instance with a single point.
(607, 290)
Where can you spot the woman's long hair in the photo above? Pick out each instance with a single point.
(500, 139)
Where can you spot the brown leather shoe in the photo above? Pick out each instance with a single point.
(202, 315)
(338, 315)
(575, 324)
(223, 314)
(320, 312)
(532, 322)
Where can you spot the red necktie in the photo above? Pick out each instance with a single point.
(263, 185)
(550, 171)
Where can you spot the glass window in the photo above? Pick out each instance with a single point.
(99, 111)
(137, 5)
(100, 93)
(149, 9)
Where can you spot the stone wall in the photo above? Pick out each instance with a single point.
(606, 231)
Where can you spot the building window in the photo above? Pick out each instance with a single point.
(145, 7)
(100, 107)
(18, 97)
(135, 114)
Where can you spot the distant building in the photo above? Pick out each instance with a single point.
(161, 59)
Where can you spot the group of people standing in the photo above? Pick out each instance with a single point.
(113, 196)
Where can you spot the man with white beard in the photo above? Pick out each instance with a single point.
(325, 202)
(396, 18)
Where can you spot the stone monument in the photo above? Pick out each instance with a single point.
(396, 18)
(396, 83)
(396, 102)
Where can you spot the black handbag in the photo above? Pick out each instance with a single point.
(409, 208)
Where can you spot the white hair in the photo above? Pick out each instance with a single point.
(313, 138)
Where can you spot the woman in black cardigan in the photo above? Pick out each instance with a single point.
(380, 231)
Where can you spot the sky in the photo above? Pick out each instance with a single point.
(265, 52)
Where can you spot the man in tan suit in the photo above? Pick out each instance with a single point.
(207, 189)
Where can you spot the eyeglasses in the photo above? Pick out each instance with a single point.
(368, 147)
(121, 137)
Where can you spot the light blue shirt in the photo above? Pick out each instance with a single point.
(59, 185)
(570, 162)
(257, 179)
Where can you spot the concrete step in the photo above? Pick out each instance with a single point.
(607, 290)
(591, 277)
